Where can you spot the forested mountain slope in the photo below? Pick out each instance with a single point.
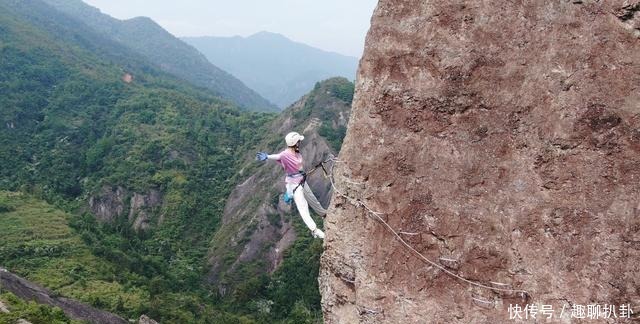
(116, 177)
(146, 38)
(74, 126)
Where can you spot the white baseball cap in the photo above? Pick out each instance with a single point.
(293, 138)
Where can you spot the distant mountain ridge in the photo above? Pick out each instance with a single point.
(278, 68)
(147, 38)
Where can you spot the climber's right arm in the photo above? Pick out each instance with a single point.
(274, 157)
(262, 156)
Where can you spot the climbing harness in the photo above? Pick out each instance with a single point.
(304, 179)
(377, 217)
(305, 174)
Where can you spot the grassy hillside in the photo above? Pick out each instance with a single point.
(37, 242)
(32, 312)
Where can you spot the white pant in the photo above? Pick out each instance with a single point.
(303, 206)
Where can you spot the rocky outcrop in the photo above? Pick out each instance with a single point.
(111, 202)
(629, 16)
(74, 309)
(256, 219)
(142, 207)
(144, 319)
(256, 223)
(501, 140)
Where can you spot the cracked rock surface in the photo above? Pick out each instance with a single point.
(502, 139)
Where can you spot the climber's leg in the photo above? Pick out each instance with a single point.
(303, 209)
(313, 201)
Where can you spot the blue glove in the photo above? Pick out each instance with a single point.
(287, 199)
(261, 156)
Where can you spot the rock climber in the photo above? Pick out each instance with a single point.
(296, 184)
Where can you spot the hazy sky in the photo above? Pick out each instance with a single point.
(333, 25)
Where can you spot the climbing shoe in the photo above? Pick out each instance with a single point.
(318, 233)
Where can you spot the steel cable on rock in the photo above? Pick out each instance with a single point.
(358, 202)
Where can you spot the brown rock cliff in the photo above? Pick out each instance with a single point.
(502, 138)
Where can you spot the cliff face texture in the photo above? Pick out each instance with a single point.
(502, 140)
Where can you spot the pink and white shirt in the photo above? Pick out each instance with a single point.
(292, 163)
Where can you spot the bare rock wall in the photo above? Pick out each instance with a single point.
(502, 139)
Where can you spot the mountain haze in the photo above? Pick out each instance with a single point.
(279, 69)
(145, 37)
